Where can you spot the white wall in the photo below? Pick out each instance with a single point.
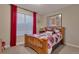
(5, 23)
(70, 20)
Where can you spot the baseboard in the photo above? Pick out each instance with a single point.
(19, 43)
(73, 45)
(7, 46)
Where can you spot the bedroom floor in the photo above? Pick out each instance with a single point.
(59, 50)
(66, 50)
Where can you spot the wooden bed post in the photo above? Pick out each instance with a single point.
(45, 46)
(62, 32)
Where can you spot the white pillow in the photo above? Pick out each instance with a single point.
(49, 32)
(56, 30)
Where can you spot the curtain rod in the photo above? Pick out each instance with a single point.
(25, 9)
(22, 8)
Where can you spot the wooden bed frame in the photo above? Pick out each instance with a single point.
(39, 45)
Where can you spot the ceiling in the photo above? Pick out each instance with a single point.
(43, 8)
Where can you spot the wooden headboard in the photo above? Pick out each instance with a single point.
(62, 30)
(43, 30)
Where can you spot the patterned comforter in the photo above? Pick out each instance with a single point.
(53, 37)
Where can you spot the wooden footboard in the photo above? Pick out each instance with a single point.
(39, 45)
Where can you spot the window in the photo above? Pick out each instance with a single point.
(28, 24)
(20, 24)
(24, 24)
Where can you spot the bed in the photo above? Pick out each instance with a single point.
(41, 42)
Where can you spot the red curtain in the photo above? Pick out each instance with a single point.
(34, 22)
(13, 25)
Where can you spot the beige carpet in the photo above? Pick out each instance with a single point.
(19, 50)
(69, 50)
(66, 50)
(60, 50)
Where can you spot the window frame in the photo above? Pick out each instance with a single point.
(24, 23)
